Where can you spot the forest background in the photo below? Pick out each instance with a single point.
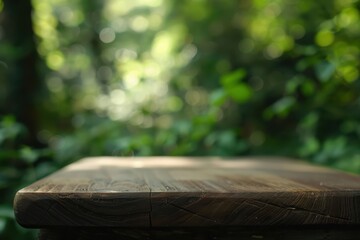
(191, 78)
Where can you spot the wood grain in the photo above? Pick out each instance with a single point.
(190, 192)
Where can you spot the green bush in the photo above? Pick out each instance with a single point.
(20, 165)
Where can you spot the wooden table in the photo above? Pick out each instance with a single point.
(205, 198)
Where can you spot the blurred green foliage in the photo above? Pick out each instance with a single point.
(191, 77)
(20, 165)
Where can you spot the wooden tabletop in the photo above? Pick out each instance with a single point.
(190, 192)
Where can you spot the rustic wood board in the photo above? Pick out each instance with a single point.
(190, 192)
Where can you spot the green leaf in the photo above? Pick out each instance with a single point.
(332, 149)
(232, 79)
(218, 97)
(309, 121)
(6, 212)
(324, 70)
(310, 146)
(183, 127)
(282, 106)
(29, 155)
(226, 138)
(308, 88)
(293, 84)
(240, 93)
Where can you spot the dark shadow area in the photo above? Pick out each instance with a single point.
(249, 233)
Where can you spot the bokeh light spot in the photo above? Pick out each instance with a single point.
(273, 51)
(297, 31)
(107, 35)
(349, 73)
(55, 84)
(117, 97)
(139, 24)
(55, 60)
(324, 38)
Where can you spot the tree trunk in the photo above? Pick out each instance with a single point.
(21, 80)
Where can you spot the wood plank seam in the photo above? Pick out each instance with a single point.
(150, 213)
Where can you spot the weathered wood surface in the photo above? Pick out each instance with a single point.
(190, 192)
